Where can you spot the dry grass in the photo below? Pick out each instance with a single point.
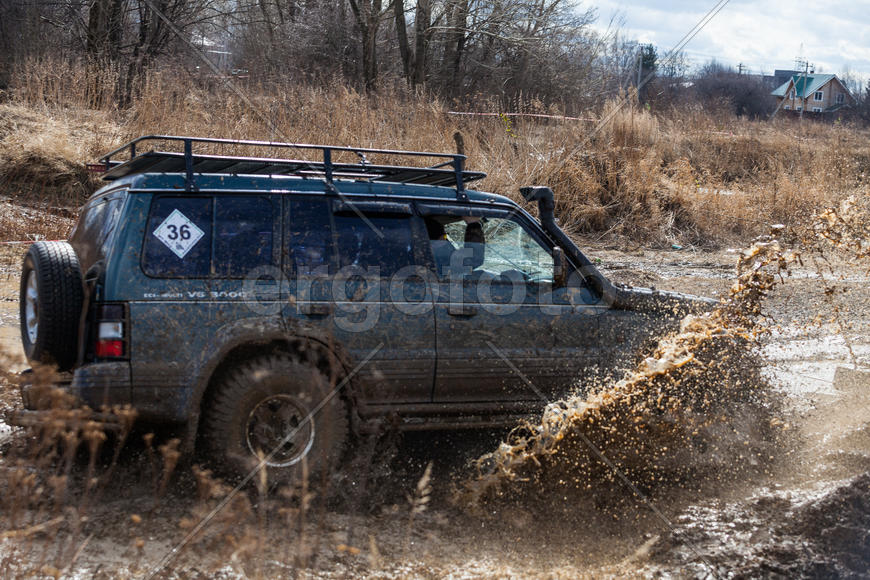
(685, 176)
(71, 504)
(24, 224)
(43, 151)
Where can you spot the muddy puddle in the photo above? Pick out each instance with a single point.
(741, 448)
(810, 519)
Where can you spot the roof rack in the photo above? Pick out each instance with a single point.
(450, 172)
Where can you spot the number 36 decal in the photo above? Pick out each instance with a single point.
(175, 232)
(178, 233)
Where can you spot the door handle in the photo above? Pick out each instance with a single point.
(466, 310)
(314, 308)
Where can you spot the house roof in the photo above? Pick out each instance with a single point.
(804, 85)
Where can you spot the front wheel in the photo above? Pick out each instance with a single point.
(276, 410)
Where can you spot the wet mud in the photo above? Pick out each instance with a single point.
(739, 448)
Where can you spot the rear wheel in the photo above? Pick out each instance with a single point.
(278, 410)
(51, 300)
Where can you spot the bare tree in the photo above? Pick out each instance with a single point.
(746, 95)
(402, 37)
(422, 27)
(105, 29)
(515, 50)
(368, 14)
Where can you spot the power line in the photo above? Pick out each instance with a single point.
(669, 58)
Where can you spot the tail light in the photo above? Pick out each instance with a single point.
(111, 336)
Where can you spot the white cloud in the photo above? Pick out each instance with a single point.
(762, 35)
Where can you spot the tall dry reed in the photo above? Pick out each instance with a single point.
(686, 175)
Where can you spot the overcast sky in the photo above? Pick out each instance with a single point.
(763, 35)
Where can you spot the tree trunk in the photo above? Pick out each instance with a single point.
(370, 56)
(97, 25)
(151, 36)
(449, 45)
(270, 29)
(368, 17)
(454, 44)
(421, 40)
(103, 47)
(104, 29)
(402, 35)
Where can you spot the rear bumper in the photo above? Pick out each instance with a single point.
(36, 396)
(102, 384)
(33, 418)
(95, 385)
(99, 386)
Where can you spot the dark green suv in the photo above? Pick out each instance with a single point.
(273, 307)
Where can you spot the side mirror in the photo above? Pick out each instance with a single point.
(560, 273)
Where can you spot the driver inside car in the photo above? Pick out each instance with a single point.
(442, 248)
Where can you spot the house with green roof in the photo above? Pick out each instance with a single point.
(813, 93)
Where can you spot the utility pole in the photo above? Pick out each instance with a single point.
(806, 64)
(639, 71)
(740, 69)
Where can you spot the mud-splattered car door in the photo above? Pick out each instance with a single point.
(353, 277)
(504, 333)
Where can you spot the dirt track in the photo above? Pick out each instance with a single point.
(807, 514)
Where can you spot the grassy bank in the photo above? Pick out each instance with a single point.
(684, 176)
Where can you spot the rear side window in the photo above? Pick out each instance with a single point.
(204, 236)
(95, 229)
(320, 240)
(178, 238)
(243, 235)
(374, 241)
(310, 236)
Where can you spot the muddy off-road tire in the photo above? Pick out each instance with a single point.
(51, 300)
(256, 404)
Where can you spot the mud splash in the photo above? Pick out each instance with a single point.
(698, 409)
(846, 228)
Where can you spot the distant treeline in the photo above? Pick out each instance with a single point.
(529, 55)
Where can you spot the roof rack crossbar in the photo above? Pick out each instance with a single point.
(433, 174)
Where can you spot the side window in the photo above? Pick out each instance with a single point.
(208, 237)
(379, 241)
(90, 220)
(508, 246)
(95, 228)
(110, 220)
(178, 238)
(87, 236)
(243, 234)
(487, 246)
(310, 237)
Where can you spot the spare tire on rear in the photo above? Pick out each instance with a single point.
(51, 300)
